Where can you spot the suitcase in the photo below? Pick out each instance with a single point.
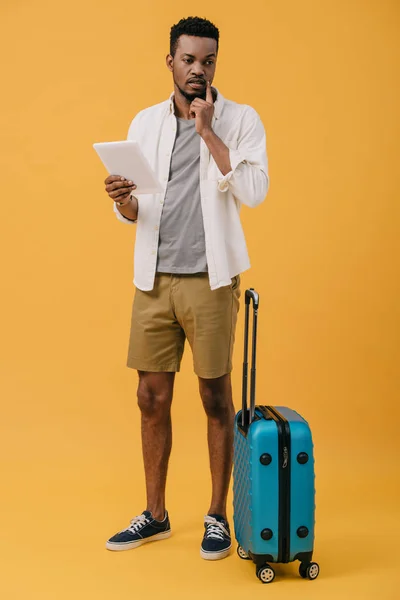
(273, 478)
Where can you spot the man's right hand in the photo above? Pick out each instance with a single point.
(118, 188)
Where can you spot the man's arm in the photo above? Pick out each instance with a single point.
(244, 170)
(130, 209)
(218, 150)
(128, 212)
(248, 178)
(120, 190)
(203, 111)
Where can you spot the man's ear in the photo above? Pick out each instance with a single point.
(170, 62)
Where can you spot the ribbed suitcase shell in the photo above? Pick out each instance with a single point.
(256, 486)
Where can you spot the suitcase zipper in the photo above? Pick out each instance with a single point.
(285, 457)
(284, 484)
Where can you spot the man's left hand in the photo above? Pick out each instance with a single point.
(203, 111)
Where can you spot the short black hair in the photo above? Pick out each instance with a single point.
(192, 26)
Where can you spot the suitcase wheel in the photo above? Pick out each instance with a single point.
(309, 571)
(265, 573)
(241, 553)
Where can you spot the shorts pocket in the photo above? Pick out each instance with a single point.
(235, 282)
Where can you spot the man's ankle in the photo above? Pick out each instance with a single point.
(158, 515)
(219, 512)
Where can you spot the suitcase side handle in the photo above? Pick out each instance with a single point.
(250, 294)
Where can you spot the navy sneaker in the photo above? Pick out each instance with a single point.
(143, 528)
(216, 542)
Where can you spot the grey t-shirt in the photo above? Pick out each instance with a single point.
(181, 247)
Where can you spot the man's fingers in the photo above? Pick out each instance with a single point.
(209, 96)
(119, 191)
(199, 102)
(196, 106)
(112, 178)
(118, 185)
(117, 178)
(119, 194)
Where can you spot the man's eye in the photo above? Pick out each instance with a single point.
(210, 62)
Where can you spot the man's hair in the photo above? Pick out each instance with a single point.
(192, 26)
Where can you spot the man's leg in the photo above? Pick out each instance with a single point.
(216, 395)
(156, 344)
(208, 318)
(154, 398)
(154, 394)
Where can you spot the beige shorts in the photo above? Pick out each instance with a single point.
(180, 307)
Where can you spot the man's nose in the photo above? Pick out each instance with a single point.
(198, 70)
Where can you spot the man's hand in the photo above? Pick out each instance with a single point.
(203, 111)
(118, 188)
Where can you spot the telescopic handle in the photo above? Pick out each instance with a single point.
(250, 295)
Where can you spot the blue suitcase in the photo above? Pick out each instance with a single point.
(273, 478)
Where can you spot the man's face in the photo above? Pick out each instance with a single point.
(193, 64)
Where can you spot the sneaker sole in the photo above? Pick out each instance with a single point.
(215, 555)
(130, 545)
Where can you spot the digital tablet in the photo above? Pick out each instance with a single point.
(127, 160)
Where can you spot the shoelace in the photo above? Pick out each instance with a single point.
(137, 523)
(215, 529)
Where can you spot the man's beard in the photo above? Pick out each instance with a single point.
(193, 95)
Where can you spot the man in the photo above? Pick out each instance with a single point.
(210, 155)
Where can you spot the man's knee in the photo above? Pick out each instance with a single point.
(217, 398)
(154, 395)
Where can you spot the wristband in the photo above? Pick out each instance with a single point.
(124, 203)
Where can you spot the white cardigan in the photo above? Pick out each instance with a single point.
(240, 128)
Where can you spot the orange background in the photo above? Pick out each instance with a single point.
(325, 259)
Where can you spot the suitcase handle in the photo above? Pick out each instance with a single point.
(250, 294)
